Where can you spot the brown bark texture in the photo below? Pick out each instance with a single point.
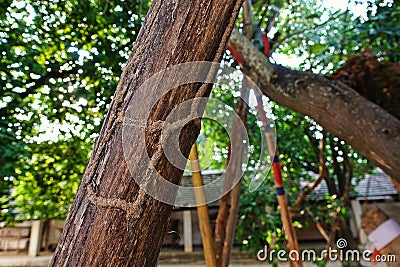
(220, 227)
(112, 221)
(366, 126)
(378, 81)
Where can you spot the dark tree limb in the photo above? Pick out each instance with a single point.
(234, 171)
(323, 173)
(338, 108)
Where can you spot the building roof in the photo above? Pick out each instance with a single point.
(373, 186)
(211, 178)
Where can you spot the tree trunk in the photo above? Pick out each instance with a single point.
(225, 227)
(220, 224)
(323, 173)
(234, 169)
(112, 221)
(367, 127)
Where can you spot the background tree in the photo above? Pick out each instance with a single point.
(300, 91)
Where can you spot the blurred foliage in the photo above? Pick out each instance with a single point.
(59, 66)
(49, 181)
(325, 38)
(381, 32)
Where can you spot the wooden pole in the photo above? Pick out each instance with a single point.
(282, 200)
(357, 211)
(202, 210)
(220, 224)
(36, 238)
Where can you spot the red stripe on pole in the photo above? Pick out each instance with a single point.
(266, 45)
(276, 166)
(235, 55)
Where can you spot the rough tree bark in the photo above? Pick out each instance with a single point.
(364, 125)
(112, 221)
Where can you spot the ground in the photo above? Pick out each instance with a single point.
(166, 259)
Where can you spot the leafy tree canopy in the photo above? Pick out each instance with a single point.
(60, 63)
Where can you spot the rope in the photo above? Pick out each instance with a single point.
(134, 209)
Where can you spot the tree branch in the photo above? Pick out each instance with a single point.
(323, 173)
(338, 108)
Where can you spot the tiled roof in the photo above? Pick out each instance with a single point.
(212, 178)
(373, 186)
